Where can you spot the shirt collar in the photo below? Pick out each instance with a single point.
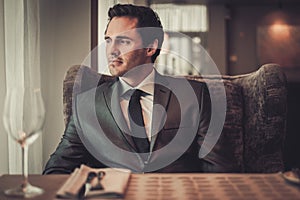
(147, 85)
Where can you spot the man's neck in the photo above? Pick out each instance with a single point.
(137, 75)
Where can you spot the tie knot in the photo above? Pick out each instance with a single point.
(137, 94)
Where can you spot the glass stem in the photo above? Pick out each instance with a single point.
(25, 163)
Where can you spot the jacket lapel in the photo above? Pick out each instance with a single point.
(162, 102)
(117, 129)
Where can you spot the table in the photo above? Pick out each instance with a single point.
(211, 186)
(179, 186)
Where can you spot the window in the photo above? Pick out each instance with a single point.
(184, 38)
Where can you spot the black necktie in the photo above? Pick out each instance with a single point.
(137, 124)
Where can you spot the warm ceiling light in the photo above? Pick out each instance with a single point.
(280, 31)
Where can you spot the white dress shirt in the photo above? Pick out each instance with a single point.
(147, 86)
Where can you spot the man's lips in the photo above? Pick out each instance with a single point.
(115, 61)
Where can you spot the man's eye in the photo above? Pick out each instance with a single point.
(125, 42)
(108, 41)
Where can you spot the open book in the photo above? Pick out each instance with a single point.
(80, 185)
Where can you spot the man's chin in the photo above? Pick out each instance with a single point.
(114, 71)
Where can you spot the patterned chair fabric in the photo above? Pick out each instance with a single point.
(256, 112)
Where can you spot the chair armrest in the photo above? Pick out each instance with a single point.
(265, 116)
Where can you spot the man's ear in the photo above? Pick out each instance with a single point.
(151, 49)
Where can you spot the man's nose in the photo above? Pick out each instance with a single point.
(114, 50)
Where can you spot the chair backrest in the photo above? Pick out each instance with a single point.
(255, 121)
(78, 79)
(260, 98)
(265, 117)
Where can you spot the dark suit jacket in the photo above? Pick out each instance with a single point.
(98, 136)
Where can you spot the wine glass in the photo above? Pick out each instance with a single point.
(23, 118)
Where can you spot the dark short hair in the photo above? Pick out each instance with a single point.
(146, 18)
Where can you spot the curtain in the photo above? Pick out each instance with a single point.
(186, 18)
(22, 67)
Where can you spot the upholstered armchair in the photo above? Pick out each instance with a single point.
(255, 120)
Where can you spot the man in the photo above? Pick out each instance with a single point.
(141, 120)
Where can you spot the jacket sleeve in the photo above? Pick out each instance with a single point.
(69, 154)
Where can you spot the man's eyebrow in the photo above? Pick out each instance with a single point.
(118, 37)
(123, 37)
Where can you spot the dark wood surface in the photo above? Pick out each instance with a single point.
(175, 186)
(50, 184)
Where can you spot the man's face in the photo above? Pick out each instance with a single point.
(124, 46)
